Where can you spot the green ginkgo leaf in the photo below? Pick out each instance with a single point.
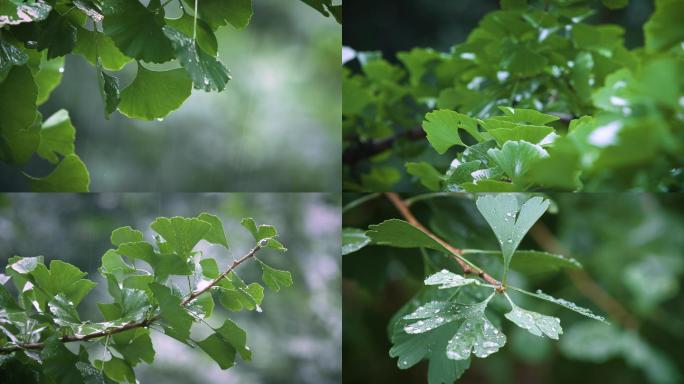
(137, 30)
(535, 323)
(57, 137)
(510, 219)
(17, 12)
(71, 175)
(218, 13)
(206, 71)
(141, 99)
(353, 239)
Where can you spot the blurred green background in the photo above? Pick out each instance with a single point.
(276, 126)
(631, 246)
(297, 337)
(391, 26)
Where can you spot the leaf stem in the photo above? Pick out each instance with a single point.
(136, 324)
(355, 203)
(457, 254)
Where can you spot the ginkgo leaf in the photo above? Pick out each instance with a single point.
(412, 348)
(96, 47)
(10, 56)
(57, 137)
(275, 278)
(71, 175)
(437, 313)
(477, 336)
(446, 279)
(260, 232)
(57, 35)
(218, 13)
(535, 323)
(209, 268)
(125, 235)
(564, 303)
(532, 262)
(223, 344)
(63, 311)
(141, 98)
(181, 233)
(510, 220)
(516, 157)
(399, 233)
(109, 90)
(216, 234)
(137, 30)
(48, 77)
(353, 239)
(14, 12)
(178, 320)
(442, 128)
(204, 36)
(206, 71)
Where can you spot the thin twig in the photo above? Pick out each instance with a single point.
(467, 266)
(584, 283)
(136, 324)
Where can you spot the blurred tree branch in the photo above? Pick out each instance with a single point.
(589, 288)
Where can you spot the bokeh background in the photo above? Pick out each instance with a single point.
(632, 251)
(297, 337)
(391, 26)
(273, 128)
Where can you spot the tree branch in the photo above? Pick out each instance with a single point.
(366, 149)
(457, 254)
(137, 324)
(586, 285)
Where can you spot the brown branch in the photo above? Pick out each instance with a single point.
(361, 150)
(136, 324)
(403, 208)
(586, 285)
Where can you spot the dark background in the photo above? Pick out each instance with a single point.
(391, 26)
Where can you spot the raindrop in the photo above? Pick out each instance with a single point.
(61, 69)
(31, 44)
(258, 308)
(159, 119)
(206, 81)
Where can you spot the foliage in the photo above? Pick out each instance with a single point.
(536, 98)
(38, 325)
(35, 35)
(455, 311)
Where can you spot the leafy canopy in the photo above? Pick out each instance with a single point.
(35, 36)
(42, 319)
(538, 97)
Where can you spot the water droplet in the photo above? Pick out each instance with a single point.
(61, 69)
(258, 308)
(206, 81)
(31, 44)
(159, 119)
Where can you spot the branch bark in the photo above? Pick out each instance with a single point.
(364, 150)
(136, 324)
(457, 254)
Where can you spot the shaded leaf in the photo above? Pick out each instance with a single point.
(353, 239)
